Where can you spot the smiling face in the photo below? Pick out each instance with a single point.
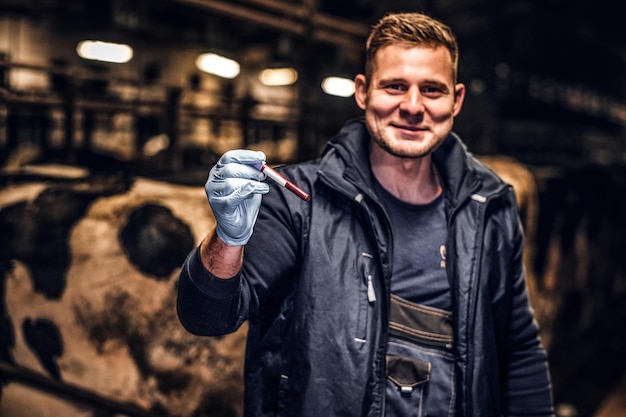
(411, 99)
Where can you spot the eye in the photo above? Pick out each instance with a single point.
(395, 87)
(432, 91)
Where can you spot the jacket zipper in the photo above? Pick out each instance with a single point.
(471, 313)
(371, 294)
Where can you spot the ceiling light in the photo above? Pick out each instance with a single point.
(218, 65)
(338, 86)
(278, 76)
(104, 51)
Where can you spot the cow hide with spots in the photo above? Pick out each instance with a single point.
(89, 267)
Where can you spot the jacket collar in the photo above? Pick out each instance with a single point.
(345, 160)
(455, 166)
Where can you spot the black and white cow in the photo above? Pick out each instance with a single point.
(88, 267)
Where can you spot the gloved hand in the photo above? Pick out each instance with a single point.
(234, 190)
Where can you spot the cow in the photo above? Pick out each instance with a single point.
(89, 267)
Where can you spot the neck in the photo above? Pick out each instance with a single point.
(412, 180)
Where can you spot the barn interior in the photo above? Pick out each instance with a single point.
(103, 160)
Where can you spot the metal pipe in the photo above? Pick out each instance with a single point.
(295, 19)
(70, 392)
(245, 13)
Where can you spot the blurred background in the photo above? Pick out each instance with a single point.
(112, 112)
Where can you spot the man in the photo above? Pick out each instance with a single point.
(398, 289)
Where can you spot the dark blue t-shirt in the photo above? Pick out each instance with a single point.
(418, 277)
(418, 264)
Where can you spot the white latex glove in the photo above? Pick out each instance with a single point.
(234, 190)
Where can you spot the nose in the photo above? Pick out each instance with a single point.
(412, 102)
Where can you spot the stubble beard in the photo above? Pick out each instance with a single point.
(405, 148)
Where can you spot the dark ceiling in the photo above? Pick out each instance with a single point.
(572, 41)
(563, 61)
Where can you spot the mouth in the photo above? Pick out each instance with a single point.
(410, 128)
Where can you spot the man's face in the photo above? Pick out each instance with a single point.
(411, 100)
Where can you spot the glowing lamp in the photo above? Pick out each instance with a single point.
(278, 76)
(117, 53)
(218, 65)
(338, 86)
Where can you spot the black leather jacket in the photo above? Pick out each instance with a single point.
(317, 343)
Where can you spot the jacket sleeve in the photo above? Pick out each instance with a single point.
(207, 305)
(527, 384)
(210, 306)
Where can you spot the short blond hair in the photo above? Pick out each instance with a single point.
(412, 29)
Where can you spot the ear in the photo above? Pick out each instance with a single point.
(459, 97)
(360, 91)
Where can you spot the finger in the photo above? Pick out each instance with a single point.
(238, 188)
(237, 170)
(242, 156)
(241, 194)
(251, 188)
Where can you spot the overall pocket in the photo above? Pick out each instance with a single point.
(406, 379)
(420, 361)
